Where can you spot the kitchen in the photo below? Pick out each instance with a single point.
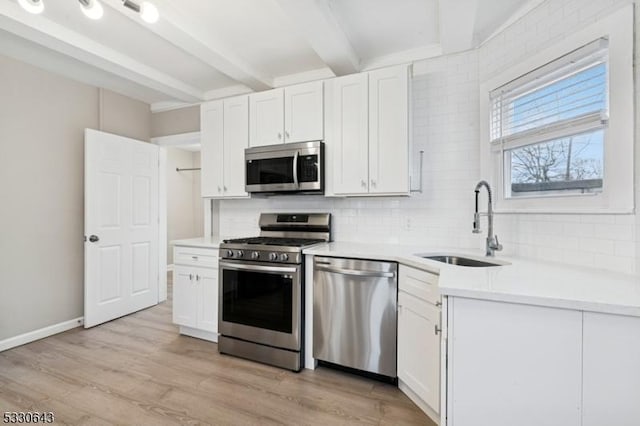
(566, 285)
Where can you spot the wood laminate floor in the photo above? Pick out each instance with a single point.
(138, 370)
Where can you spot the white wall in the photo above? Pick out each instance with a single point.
(446, 125)
(605, 241)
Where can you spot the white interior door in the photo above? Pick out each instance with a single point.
(121, 226)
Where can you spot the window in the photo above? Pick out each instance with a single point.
(549, 125)
(559, 133)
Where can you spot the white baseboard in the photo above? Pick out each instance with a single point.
(419, 402)
(200, 334)
(32, 336)
(169, 268)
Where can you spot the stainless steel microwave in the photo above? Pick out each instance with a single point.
(285, 168)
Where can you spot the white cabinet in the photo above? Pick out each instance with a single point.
(368, 133)
(195, 292)
(512, 364)
(185, 296)
(236, 139)
(224, 137)
(389, 130)
(419, 337)
(212, 148)
(348, 147)
(266, 118)
(287, 115)
(304, 112)
(611, 370)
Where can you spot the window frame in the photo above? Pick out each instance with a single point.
(617, 195)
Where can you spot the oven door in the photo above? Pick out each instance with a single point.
(261, 303)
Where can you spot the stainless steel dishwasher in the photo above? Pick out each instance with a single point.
(355, 313)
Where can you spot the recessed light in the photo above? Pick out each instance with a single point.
(32, 6)
(149, 13)
(92, 9)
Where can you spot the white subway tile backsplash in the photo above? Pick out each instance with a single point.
(445, 124)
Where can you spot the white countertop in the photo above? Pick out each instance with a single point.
(520, 281)
(212, 242)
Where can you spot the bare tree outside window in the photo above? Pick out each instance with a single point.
(570, 163)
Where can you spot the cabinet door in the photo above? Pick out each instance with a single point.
(419, 348)
(211, 136)
(207, 283)
(350, 141)
(266, 120)
(389, 130)
(236, 139)
(303, 112)
(185, 297)
(611, 365)
(513, 364)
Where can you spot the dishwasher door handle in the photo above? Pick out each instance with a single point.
(355, 272)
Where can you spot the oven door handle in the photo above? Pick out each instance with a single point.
(295, 169)
(259, 268)
(354, 272)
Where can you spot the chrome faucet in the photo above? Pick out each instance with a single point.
(492, 240)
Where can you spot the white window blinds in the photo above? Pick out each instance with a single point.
(566, 96)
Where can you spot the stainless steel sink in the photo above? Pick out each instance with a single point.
(459, 260)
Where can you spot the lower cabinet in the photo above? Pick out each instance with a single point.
(611, 370)
(419, 338)
(195, 292)
(513, 364)
(419, 348)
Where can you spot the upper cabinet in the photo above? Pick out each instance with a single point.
(224, 136)
(347, 150)
(287, 115)
(389, 131)
(368, 133)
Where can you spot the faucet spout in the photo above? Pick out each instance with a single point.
(492, 243)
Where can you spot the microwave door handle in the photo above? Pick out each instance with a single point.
(295, 169)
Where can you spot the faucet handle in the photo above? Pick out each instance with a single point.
(497, 246)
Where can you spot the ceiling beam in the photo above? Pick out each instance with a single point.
(44, 32)
(457, 24)
(200, 43)
(316, 22)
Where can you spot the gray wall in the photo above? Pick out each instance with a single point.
(184, 204)
(173, 122)
(42, 121)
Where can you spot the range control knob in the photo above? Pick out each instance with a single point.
(284, 257)
(273, 256)
(255, 255)
(229, 253)
(239, 253)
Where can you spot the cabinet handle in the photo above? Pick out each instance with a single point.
(219, 189)
(197, 277)
(373, 182)
(438, 304)
(437, 329)
(286, 135)
(194, 257)
(280, 136)
(190, 277)
(363, 183)
(225, 189)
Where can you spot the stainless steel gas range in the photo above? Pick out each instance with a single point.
(262, 289)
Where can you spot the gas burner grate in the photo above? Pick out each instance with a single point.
(274, 241)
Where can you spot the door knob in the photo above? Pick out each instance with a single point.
(94, 239)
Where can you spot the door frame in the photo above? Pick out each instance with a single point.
(164, 142)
